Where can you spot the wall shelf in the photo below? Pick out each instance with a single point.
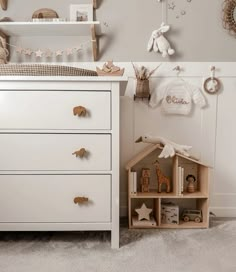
(52, 29)
(4, 3)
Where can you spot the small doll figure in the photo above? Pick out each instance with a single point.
(191, 183)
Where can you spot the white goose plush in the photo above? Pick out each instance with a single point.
(170, 148)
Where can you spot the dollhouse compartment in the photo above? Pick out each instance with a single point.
(154, 215)
(183, 204)
(180, 171)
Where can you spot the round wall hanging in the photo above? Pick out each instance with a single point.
(212, 85)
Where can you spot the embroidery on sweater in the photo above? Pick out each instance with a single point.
(175, 100)
(177, 97)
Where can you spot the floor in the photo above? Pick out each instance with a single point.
(211, 250)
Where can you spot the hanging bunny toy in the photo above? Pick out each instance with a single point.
(159, 43)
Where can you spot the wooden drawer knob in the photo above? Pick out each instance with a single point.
(80, 153)
(80, 200)
(80, 111)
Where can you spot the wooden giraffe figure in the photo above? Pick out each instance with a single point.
(162, 179)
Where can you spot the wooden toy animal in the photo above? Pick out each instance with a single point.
(80, 111)
(80, 200)
(109, 69)
(162, 179)
(145, 180)
(80, 153)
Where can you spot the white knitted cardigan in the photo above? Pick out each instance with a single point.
(177, 97)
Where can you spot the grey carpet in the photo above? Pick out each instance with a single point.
(208, 250)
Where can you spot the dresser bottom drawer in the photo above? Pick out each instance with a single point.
(51, 198)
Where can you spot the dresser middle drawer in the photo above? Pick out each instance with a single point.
(55, 152)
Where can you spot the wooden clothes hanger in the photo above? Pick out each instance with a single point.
(178, 77)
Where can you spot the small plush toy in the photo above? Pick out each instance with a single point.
(80, 111)
(170, 148)
(158, 43)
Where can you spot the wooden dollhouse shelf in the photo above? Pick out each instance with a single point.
(153, 195)
(52, 29)
(169, 204)
(185, 225)
(181, 225)
(168, 195)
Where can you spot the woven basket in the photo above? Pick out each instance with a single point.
(43, 70)
(142, 88)
(45, 13)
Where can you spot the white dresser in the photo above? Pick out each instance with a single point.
(59, 171)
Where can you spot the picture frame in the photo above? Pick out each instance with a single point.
(81, 12)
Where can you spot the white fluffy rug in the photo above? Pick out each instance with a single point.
(208, 250)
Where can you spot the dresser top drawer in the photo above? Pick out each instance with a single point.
(55, 110)
(55, 198)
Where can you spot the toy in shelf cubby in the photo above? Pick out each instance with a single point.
(148, 206)
(161, 178)
(145, 180)
(144, 218)
(181, 181)
(169, 213)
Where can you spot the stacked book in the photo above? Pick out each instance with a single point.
(180, 183)
(133, 182)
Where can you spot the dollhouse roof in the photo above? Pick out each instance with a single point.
(149, 149)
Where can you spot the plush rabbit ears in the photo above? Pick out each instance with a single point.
(2, 42)
(3, 4)
(164, 28)
(150, 44)
(151, 40)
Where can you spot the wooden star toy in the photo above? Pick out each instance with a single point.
(69, 51)
(38, 53)
(77, 49)
(19, 50)
(59, 53)
(171, 6)
(28, 52)
(48, 53)
(143, 212)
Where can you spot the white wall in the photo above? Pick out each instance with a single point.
(211, 131)
(127, 25)
(224, 190)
